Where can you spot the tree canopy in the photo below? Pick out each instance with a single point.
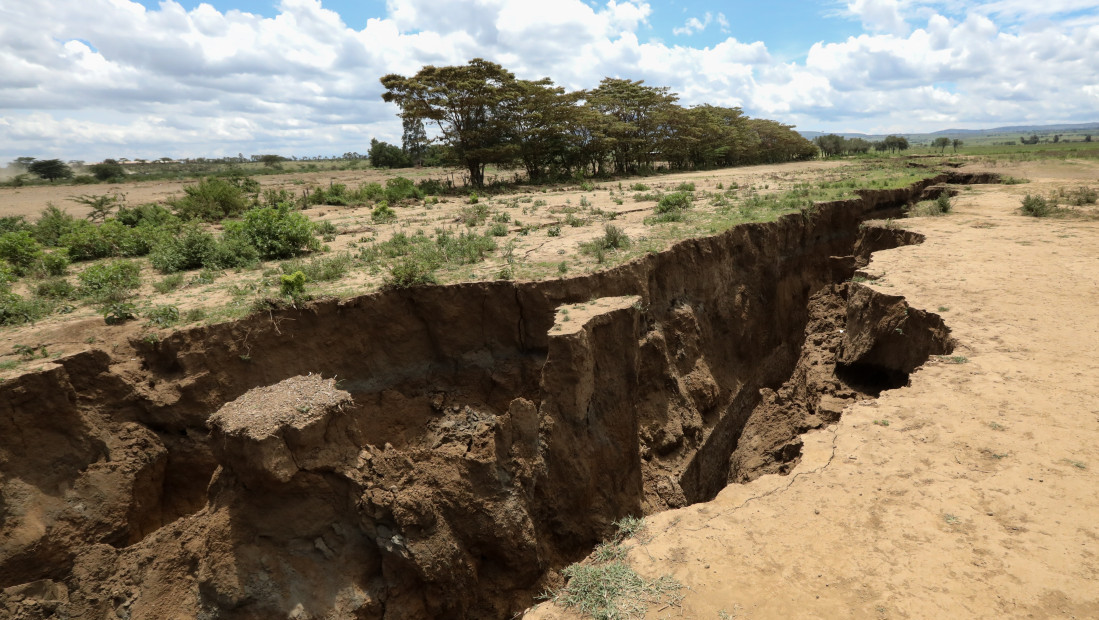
(50, 169)
(485, 115)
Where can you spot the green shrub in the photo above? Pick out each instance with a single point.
(466, 248)
(108, 170)
(20, 250)
(233, 252)
(110, 282)
(191, 248)
(326, 229)
(686, 186)
(56, 263)
(87, 241)
(639, 187)
(498, 230)
(614, 238)
(212, 200)
(400, 188)
(473, 215)
(118, 312)
(169, 283)
(7, 275)
(1036, 206)
(383, 213)
(12, 223)
(52, 224)
(292, 285)
(677, 201)
(410, 271)
(56, 288)
(1079, 197)
(433, 186)
(275, 232)
(320, 268)
(163, 316)
(146, 215)
(943, 202)
(372, 191)
(14, 310)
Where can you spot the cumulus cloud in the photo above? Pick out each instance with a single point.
(879, 15)
(108, 78)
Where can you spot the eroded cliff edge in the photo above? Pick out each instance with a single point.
(483, 442)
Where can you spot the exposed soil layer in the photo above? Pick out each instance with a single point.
(477, 438)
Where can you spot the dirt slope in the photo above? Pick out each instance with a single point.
(978, 498)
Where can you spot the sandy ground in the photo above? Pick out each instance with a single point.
(979, 498)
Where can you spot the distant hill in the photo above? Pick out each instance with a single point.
(978, 135)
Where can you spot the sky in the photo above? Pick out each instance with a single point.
(91, 79)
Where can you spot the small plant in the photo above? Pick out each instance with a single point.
(951, 519)
(383, 213)
(498, 230)
(554, 231)
(473, 198)
(326, 229)
(163, 316)
(943, 202)
(1036, 206)
(881, 422)
(563, 267)
(27, 352)
(996, 426)
(953, 359)
(639, 187)
(292, 285)
(119, 312)
(168, 283)
(605, 587)
(587, 186)
(686, 186)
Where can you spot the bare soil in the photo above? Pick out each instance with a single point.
(969, 493)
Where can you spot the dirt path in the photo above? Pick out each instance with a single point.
(969, 494)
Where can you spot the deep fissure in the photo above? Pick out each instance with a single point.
(487, 442)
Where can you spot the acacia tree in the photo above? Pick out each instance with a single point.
(896, 143)
(632, 112)
(50, 169)
(941, 144)
(540, 116)
(467, 103)
(957, 144)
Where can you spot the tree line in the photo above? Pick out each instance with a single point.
(485, 116)
(832, 145)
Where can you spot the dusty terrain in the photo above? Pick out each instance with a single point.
(481, 436)
(970, 493)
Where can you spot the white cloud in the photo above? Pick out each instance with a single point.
(693, 25)
(101, 78)
(879, 15)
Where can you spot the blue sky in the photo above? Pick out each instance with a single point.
(90, 79)
(788, 26)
